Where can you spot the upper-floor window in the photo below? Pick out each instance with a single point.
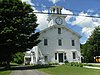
(59, 42)
(45, 42)
(73, 42)
(59, 30)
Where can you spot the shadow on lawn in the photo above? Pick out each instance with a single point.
(24, 67)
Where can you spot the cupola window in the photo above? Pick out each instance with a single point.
(57, 10)
(53, 10)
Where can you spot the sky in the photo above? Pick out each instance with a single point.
(80, 24)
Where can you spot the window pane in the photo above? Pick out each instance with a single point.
(73, 43)
(65, 56)
(45, 58)
(59, 30)
(57, 11)
(53, 10)
(59, 42)
(55, 56)
(45, 42)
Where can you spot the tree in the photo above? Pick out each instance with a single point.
(91, 48)
(17, 28)
(18, 58)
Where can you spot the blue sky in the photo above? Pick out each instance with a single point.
(80, 24)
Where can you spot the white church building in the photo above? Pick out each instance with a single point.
(58, 42)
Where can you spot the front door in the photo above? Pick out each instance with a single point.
(60, 57)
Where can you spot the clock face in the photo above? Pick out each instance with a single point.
(59, 20)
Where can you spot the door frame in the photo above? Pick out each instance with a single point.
(63, 56)
(60, 57)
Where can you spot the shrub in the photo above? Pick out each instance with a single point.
(50, 63)
(18, 58)
(76, 64)
(66, 61)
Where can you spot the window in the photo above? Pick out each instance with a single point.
(59, 42)
(53, 10)
(57, 10)
(55, 56)
(73, 43)
(33, 53)
(45, 42)
(59, 30)
(45, 58)
(74, 55)
(65, 56)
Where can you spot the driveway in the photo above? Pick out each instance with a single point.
(23, 70)
(27, 72)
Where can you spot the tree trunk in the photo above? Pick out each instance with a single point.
(8, 64)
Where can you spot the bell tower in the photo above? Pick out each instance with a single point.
(56, 9)
(56, 17)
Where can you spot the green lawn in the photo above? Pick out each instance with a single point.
(70, 70)
(5, 72)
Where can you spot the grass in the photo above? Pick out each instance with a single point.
(70, 70)
(5, 72)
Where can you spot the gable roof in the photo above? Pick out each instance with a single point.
(61, 26)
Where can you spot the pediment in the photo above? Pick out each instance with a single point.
(63, 27)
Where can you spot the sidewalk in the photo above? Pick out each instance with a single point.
(91, 67)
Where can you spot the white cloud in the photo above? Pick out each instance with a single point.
(87, 31)
(28, 2)
(54, 1)
(42, 20)
(88, 24)
(64, 11)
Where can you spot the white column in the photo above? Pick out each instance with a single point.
(31, 58)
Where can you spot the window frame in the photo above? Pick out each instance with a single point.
(46, 58)
(55, 56)
(74, 55)
(65, 56)
(59, 42)
(45, 42)
(73, 42)
(59, 30)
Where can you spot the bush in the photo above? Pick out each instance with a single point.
(18, 58)
(76, 64)
(50, 63)
(66, 61)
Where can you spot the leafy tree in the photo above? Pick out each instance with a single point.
(91, 48)
(18, 58)
(17, 28)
